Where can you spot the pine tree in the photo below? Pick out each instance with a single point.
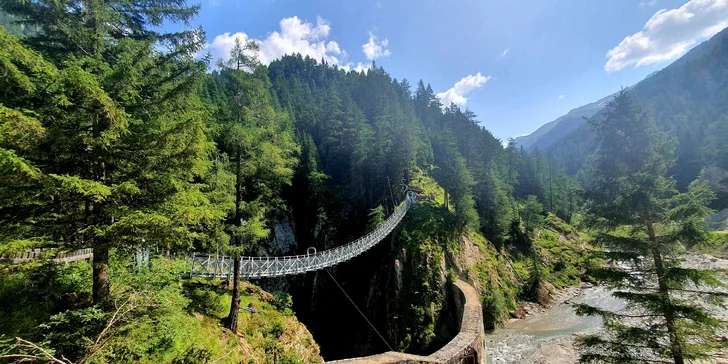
(457, 181)
(27, 75)
(644, 223)
(258, 141)
(125, 138)
(532, 213)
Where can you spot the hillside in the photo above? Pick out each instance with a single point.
(158, 317)
(265, 160)
(685, 98)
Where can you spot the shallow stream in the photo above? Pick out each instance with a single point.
(518, 340)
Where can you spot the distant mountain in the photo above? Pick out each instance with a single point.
(549, 133)
(685, 98)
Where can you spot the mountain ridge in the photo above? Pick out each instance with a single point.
(554, 131)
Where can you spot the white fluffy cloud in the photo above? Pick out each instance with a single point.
(223, 43)
(299, 36)
(375, 49)
(561, 97)
(669, 34)
(456, 94)
(295, 36)
(647, 4)
(359, 67)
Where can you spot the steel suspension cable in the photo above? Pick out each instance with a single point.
(357, 308)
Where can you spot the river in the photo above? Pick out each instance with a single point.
(548, 336)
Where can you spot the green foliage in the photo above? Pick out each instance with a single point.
(715, 150)
(193, 355)
(112, 136)
(284, 303)
(71, 333)
(157, 317)
(645, 224)
(716, 244)
(376, 217)
(422, 297)
(686, 99)
(532, 213)
(37, 291)
(112, 130)
(204, 301)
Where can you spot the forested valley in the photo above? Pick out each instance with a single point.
(123, 139)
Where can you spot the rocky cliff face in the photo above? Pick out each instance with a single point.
(400, 285)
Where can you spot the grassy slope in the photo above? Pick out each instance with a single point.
(181, 325)
(717, 245)
(499, 276)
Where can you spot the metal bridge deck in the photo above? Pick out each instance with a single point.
(218, 266)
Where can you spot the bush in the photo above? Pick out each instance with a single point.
(205, 302)
(193, 355)
(73, 332)
(495, 308)
(284, 303)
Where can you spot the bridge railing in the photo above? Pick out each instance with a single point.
(61, 257)
(219, 266)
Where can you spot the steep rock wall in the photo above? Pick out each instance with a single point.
(468, 346)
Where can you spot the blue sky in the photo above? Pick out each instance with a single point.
(516, 64)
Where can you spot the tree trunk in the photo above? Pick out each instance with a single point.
(676, 348)
(232, 319)
(101, 273)
(551, 191)
(100, 243)
(446, 199)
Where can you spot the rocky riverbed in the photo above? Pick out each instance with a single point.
(547, 334)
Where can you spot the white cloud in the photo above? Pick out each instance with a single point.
(295, 36)
(374, 49)
(333, 47)
(561, 97)
(457, 93)
(223, 43)
(358, 67)
(505, 52)
(648, 4)
(669, 34)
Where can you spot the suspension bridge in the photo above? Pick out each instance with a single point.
(220, 266)
(468, 346)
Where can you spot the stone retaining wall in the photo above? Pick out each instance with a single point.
(468, 346)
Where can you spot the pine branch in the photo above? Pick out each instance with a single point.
(46, 356)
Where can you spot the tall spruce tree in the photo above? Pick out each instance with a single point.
(27, 76)
(125, 141)
(644, 223)
(258, 141)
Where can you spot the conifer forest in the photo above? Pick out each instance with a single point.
(129, 153)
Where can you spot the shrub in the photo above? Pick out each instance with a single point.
(284, 303)
(193, 355)
(205, 302)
